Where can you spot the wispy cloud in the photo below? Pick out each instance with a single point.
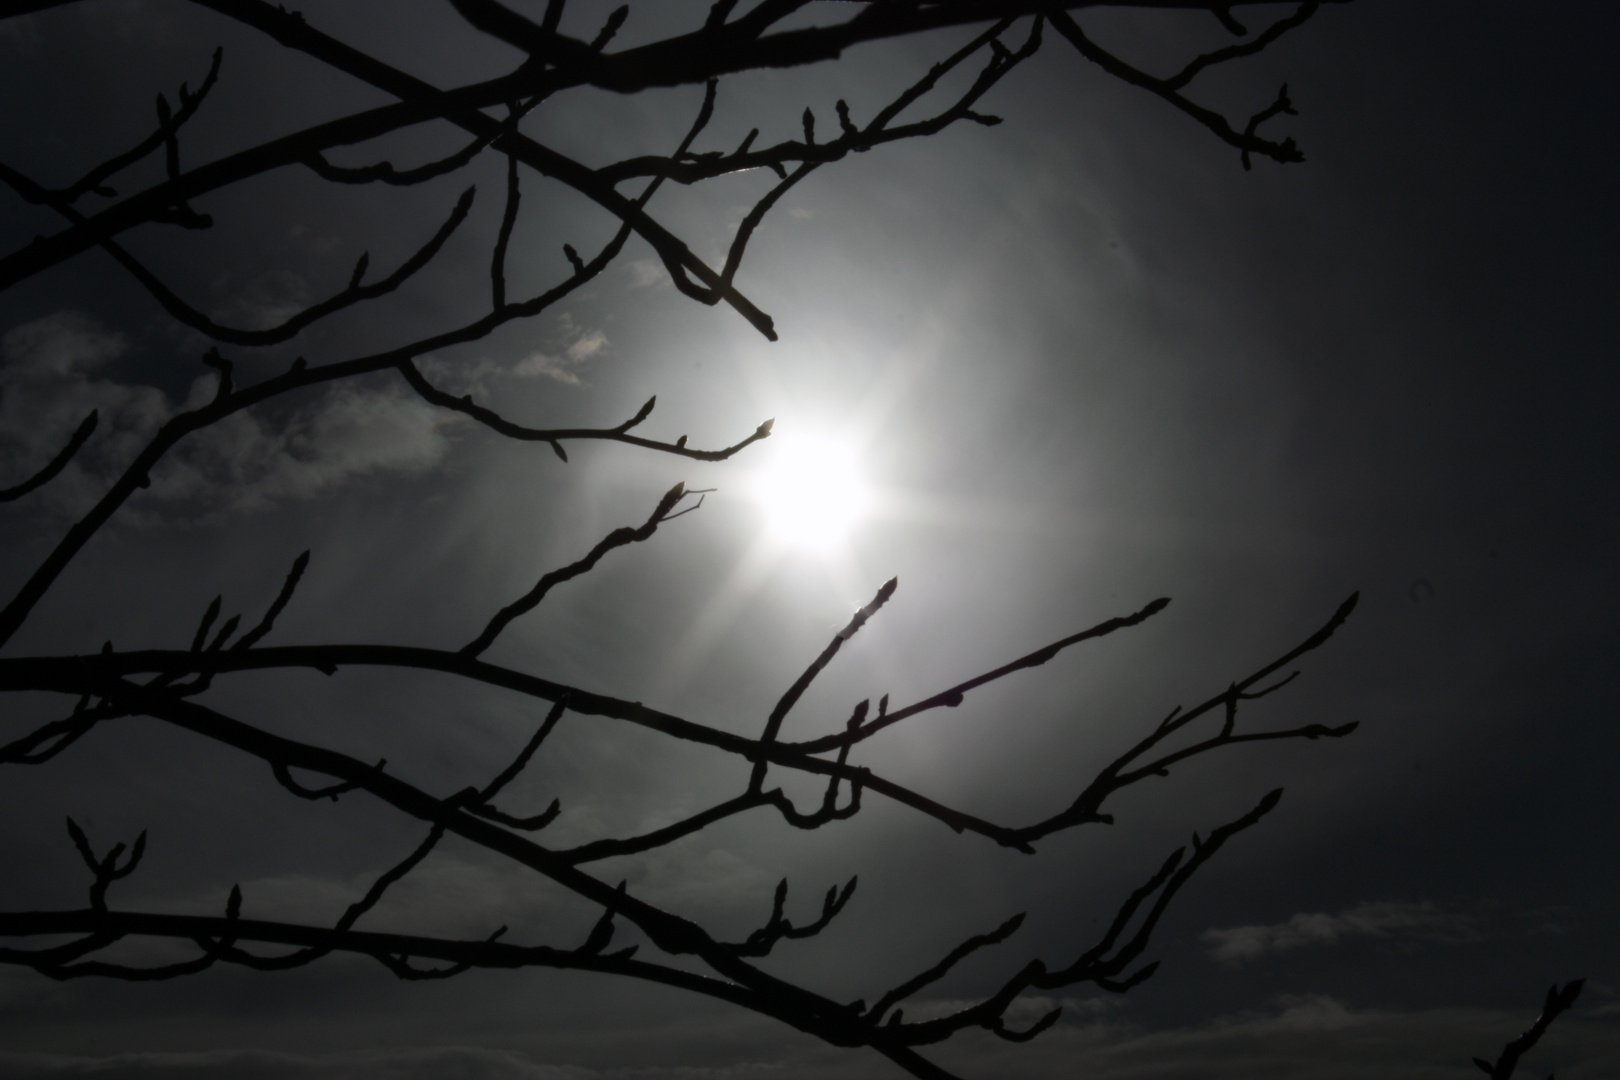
(53, 375)
(647, 274)
(268, 300)
(1237, 944)
(563, 365)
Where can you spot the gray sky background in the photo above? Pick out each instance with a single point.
(1083, 359)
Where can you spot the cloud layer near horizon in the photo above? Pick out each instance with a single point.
(1292, 1039)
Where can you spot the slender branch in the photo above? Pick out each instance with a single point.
(773, 723)
(108, 926)
(556, 436)
(294, 33)
(657, 838)
(670, 62)
(54, 467)
(300, 376)
(1248, 48)
(617, 538)
(1247, 141)
(955, 695)
(1095, 966)
(941, 969)
(497, 264)
(266, 624)
(45, 742)
(78, 675)
(511, 772)
(94, 181)
(383, 172)
(1558, 1001)
(778, 928)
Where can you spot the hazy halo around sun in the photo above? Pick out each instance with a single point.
(810, 491)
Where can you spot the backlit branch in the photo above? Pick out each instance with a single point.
(94, 181)
(1101, 965)
(106, 869)
(955, 695)
(50, 739)
(557, 436)
(54, 467)
(101, 929)
(1105, 964)
(1284, 152)
(1558, 1001)
(777, 927)
(773, 723)
(617, 538)
(82, 674)
(167, 685)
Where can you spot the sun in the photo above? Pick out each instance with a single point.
(810, 491)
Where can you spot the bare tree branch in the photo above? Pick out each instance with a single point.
(168, 685)
(54, 467)
(1558, 1002)
(617, 538)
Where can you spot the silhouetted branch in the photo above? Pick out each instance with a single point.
(45, 742)
(105, 928)
(1558, 1001)
(1100, 965)
(266, 624)
(94, 181)
(943, 968)
(353, 293)
(1247, 48)
(777, 927)
(1247, 141)
(84, 673)
(954, 696)
(81, 435)
(383, 172)
(773, 723)
(106, 868)
(557, 436)
(497, 265)
(165, 684)
(617, 538)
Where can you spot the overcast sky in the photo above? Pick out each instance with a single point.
(1076, 362)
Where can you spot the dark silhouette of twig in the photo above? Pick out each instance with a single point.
(54, 467)
(1558, 1002)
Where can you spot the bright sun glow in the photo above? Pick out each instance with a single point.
(811, 491)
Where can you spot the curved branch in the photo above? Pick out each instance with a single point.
(291, 31)
(617, 538)
(353, 293)
(1099, 965)
(953, 697)
(299, 376)
(81, 435)
(671, 62)
(104, 927)
(94, 180)
(773, 723)
(88, 674)
(556, 436)
(1285, 152)
(1558, 1001)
